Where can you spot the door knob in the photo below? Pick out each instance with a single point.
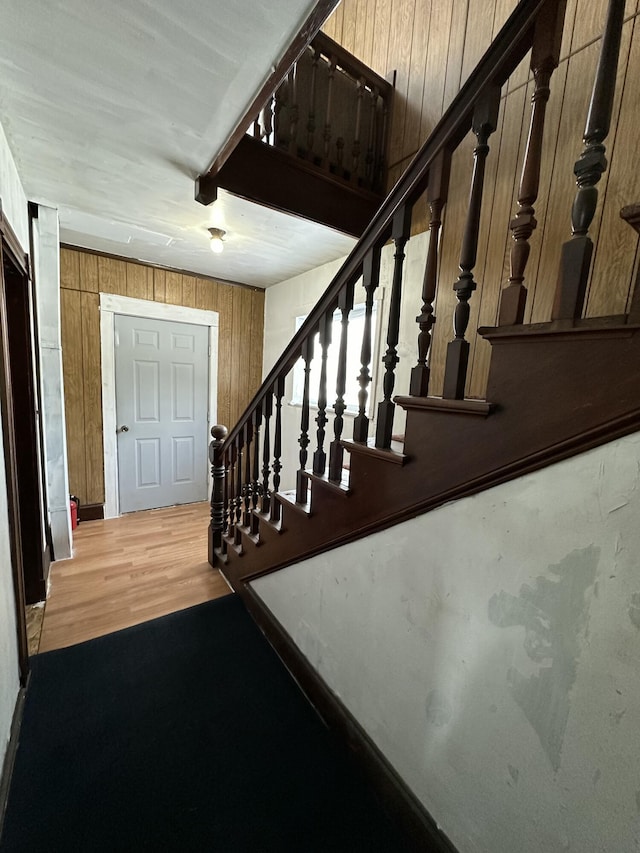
(123, 428)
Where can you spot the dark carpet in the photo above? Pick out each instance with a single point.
(185, 733)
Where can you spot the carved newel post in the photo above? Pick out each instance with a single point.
(218, 472)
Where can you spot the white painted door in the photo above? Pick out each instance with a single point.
(161, 377)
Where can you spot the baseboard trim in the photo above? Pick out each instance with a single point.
(398, 800)
(10, 755)
(91, 512)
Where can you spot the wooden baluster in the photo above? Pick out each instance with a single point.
(238, 502)
(485, 117)
(327, 118)
(436, 199)
(311, 119)
(336, 451)
(545, 55)
(247, 491)
(301, 481)
(400, 232)
(267, 120)
(320, 457)
(281, 124)
(278, 390)
(576, 253)
(231, 503)
(381, 176)
(257, 130)
(226, 491)
(256, 488)
(371, 149)
(293, 111)
(339, 156)
(355, 151)
(218, 472)
(265, 497)
(370, 280)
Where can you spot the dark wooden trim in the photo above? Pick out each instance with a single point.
(9, 452)
(268, 176)
(127, 260)
(91, 512)
(17, 307)
(18, 254)
(370, 449)
(437, 404)
(10, 755)
(395, 796)
(316, 19)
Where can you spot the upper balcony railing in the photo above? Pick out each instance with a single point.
(332, 111)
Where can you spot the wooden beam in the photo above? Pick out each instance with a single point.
(268, 176)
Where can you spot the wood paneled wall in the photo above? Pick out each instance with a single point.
(434, 46)
(83, 276)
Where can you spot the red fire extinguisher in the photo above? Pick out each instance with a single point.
(74, 503)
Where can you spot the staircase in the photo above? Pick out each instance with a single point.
(554, 388)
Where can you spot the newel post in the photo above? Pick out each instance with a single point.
(218, 472)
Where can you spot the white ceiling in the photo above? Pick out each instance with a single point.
(112, 109)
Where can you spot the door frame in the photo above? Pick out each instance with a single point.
(110, 305)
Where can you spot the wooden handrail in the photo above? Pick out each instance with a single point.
(500, 60)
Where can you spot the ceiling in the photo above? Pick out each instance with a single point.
(112, 109)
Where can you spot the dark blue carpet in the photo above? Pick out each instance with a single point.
(186, 734)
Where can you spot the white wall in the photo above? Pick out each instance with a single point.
(296, 297)
(14, 204)
(490, 648)
(47, 278)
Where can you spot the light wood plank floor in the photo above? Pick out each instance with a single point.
(128, 570)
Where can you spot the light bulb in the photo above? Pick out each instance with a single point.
(217, 245)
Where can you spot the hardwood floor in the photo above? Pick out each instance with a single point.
(128, 570)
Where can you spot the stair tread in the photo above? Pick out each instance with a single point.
(394, 455)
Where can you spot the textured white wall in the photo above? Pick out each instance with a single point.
(296, 297)
(14, 205)
(490, 648)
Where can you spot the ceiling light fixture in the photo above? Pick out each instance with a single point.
(217, 244)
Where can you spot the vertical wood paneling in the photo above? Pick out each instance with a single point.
(417, 76)
(92, 392)
(381, 39)
(69, 269)
(457, 37)
(189, 291)
(159, 286)
(224, 307)
(369, 29)
(173, 288)
(88, 272)
(83, 276)
(257, 337)
(137, 282)
(72, 369)
(400, 41)
(435, 68)
(112, 274)
(478, 35)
